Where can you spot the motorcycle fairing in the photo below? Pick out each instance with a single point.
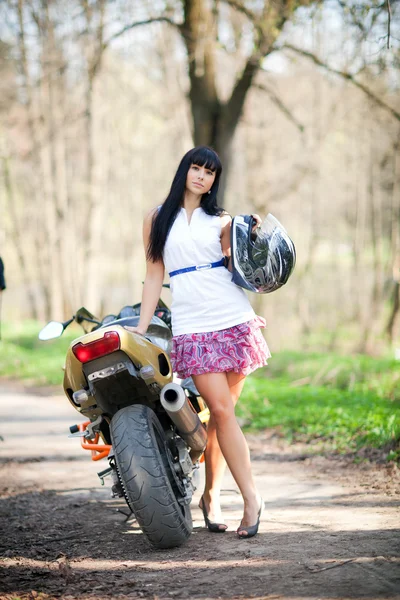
(134, 348)
(158, 332)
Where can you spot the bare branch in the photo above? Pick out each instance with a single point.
(306, 164)
(259, 22)
(389, 9)
(359, 21)
(104, 45)
(234, 106)
(264, 46)
(239, 6)
(344, 75)
(278, 102)
(161, 19)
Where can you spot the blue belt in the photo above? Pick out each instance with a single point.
(213, 265)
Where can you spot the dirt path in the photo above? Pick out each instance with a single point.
(328, 531)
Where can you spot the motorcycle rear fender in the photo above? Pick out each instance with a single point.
(140, 351)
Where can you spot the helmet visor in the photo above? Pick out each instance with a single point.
(263, 259)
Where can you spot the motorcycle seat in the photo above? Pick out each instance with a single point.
(159, 334)
(130, 321)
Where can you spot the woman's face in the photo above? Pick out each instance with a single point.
(199, 180)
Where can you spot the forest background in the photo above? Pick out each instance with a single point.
(101, 98)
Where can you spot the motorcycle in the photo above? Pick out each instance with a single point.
(151, 429)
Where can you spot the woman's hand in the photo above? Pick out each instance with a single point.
(138, 330)
(258, 223)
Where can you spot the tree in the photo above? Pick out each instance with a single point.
(215, 118)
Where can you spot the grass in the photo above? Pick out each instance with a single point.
(340, 403)
(24, 357)
(336, 403)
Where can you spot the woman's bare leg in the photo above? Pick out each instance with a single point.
(215, 389)
(215, 463)
(214, 471)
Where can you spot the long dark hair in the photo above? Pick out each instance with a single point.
(164, 218)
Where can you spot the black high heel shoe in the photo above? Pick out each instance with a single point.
(252, 530)
(214, 527)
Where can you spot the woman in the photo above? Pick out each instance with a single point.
(216, 334)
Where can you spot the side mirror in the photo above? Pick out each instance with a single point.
(51, 330)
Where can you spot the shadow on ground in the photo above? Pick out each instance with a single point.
(75, 543)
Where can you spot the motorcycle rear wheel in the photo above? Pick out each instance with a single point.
(149, 485)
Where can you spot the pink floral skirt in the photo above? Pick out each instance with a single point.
(241, 348)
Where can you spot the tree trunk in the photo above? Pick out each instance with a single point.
(39, 172)
(375, 223)
(214, 121)
(18, 238)
(199, 33)
(306, 311)
(92, 246)
(394, 311)
(395, 235)
(55, 209)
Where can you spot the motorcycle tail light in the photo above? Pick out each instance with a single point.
(110, 342)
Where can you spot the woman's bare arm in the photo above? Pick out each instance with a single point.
(226, 223)
(153, 281)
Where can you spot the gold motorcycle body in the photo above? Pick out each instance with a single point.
(150, 428)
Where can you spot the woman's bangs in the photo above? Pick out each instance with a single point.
(204, 157)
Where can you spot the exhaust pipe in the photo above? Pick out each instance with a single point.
(182, 413)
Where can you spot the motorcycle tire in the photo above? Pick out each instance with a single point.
(146, 476)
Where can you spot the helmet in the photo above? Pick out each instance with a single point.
(262, 260)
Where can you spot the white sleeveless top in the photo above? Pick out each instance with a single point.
(204, 300)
